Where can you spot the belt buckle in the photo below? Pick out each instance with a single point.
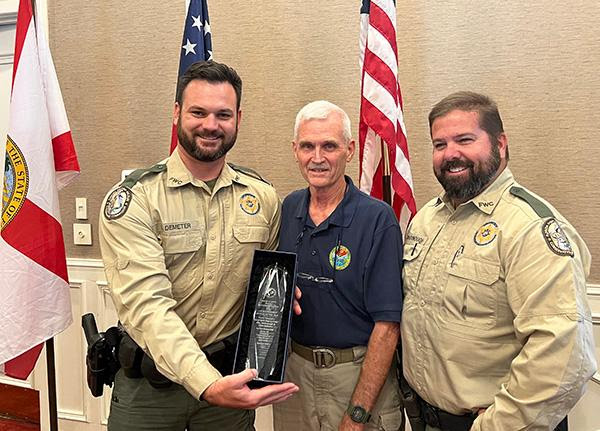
(323, 358)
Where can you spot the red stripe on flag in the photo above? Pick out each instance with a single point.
(23, 19)
(65, 157)
(173, 139)
(379, 20)
(21, 366)
(381, 73)
(43, 244)
(377, 121)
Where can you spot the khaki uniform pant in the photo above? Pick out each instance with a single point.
(137, 406)
(325, 394)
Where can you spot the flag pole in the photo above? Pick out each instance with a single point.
(386, 177)
(51, 369)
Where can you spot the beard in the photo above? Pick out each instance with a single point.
(464, 189)
(202, 154)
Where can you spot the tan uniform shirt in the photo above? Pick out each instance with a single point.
(495, 314)
(178, 258)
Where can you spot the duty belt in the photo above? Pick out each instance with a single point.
(323, 357)
(443, 420)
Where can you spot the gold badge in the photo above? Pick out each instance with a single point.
(486, 233)
(249, 204)
(556, 239)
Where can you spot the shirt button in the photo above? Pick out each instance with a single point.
(422, 303)
(210, 276)
(435, 262)
(453, 221)
(212, 237)
(202, 315)
(313, 253)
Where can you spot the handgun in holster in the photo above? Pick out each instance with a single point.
(102, 361)
(410, 399)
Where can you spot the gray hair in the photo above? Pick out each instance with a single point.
(320, 110)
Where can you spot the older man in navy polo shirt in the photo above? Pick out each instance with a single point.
(347, 325)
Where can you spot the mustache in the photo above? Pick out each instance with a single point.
(456, 163)
(317, 166)
(209, 135)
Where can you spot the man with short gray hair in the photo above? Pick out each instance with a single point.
(347, 321)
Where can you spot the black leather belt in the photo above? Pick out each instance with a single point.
(443, 420)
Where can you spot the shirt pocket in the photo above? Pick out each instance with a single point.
(246, 238)
(471, 296)
(184, 259)
(413, 259)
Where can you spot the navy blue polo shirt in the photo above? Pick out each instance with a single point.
(362, 239)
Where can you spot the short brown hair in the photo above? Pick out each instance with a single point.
(468, 101)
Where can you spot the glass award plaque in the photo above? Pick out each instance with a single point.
(266, 320)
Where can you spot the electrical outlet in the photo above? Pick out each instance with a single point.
(82, 234)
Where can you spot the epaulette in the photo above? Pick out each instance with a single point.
(250, 172)
(135, 176)
(540, 208)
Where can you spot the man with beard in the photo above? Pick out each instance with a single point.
(496, 330)
(177, 242)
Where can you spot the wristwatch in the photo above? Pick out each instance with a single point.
(358, 414)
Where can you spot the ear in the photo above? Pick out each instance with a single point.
(502, 145)
(239, 118)
(294, 149)
(176, 111)
(351, 149)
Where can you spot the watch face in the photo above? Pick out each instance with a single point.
(359, 414)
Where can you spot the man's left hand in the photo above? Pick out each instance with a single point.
(348, 424)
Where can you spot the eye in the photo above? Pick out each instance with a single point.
(225, 115)
(439, 146)
(306, 146)
(465, 140)
(198, 113)
(330, 146)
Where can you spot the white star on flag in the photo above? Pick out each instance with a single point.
(197, 22)
(206, 27)
(189, 47)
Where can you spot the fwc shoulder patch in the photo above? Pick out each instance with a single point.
(556, 239)
(117, 203)
(486, 233)
(249, 204)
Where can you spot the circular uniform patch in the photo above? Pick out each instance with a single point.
(16, 182)
(556, 239)
(117, 203)
(341, 259)
(249, 204)
(486, 233)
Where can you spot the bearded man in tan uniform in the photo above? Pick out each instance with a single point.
(496, 330)
(177, 242)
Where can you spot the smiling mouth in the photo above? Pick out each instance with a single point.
(456, 170)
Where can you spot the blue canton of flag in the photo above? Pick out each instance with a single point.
(196, 44)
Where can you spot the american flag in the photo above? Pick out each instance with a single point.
(382, 135)
(196, 44)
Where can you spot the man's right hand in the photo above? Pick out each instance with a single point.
(297, 296)
(233, 392)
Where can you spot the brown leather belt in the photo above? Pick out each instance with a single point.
(323, 357)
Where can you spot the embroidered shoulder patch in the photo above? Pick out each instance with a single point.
(117, 203)
(556, 239)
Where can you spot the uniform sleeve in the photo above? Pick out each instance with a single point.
(553, 323)
(383, 271)
(274, 223)
(141, 291)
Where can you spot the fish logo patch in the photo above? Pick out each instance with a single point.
(339, 257)
(117, 203)
(556, 239)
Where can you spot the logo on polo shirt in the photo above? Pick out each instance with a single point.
(339, 257)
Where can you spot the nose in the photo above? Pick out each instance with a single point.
(318, 155)
(452, 151)
(210, 122)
